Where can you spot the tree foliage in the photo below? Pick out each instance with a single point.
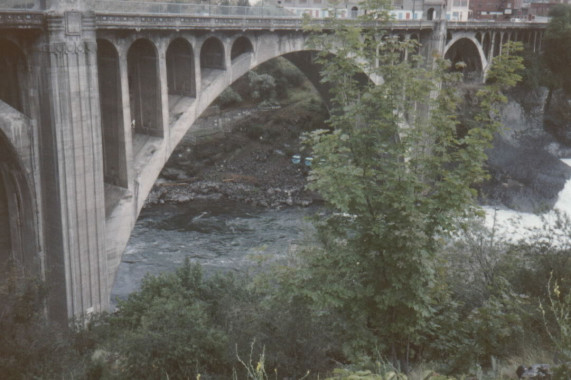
(168, 329)
(557, 44)
(397, 176)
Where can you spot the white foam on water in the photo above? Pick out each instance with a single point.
(513, 225)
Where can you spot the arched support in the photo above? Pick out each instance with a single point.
(431, 14)
(212, 57)
(466, 49)
(180, 68)
(115, 167)
(240, 47)
(145, 89)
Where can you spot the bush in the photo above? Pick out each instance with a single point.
(229, 97)
(31, 346)
(262, 86)
(169, 327)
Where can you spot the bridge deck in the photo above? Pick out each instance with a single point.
(161, 16)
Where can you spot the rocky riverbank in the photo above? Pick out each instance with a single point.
(265, 196)
(244, 154)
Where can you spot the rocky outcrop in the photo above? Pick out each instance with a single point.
(557, 119)
(524, 163)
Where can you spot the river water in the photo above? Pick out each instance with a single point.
(220, 235)
(230, 236)
(513, 225)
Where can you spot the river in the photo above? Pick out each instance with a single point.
(220, 235)
(232, 236)
(513, 225)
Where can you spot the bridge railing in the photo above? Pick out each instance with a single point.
(20, 4)
(186, 9)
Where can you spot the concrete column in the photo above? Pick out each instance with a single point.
(163, 86)
(437, 41)
(127, 119)
(492, 45)
(197, 69)
(72, 168)
(227, 45)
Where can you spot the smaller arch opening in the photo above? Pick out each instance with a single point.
(13, 69)
(354, 12)
(144, 88)
(465, 58)
(430, 14)
(180, 68)
(112, 124)
(486, 44)
(497, 44)
(212, 54)
(241, 46)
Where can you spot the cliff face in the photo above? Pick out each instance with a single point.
(524, 163)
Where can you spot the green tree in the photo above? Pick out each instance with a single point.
(398, 178)
(262, 86)
(557, 47)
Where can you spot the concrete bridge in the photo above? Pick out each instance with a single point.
(93, 101)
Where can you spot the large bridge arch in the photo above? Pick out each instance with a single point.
(467, 49)
(19, 239)
(121, 219)
(255, 49)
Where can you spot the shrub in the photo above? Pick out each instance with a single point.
(31, 346)
(262, 86)
(229, 97)
(169, 327)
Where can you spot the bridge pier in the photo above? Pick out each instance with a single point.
(72, 167)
